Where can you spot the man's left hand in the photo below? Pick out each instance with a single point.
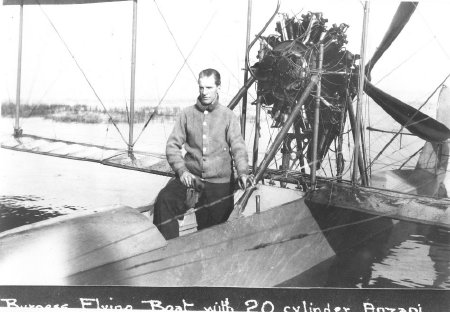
(244, 181)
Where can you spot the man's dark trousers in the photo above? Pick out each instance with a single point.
(171, 203)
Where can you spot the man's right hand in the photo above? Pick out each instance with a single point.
(187, 179)
(245, 180)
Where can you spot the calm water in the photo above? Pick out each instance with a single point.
(35, 187)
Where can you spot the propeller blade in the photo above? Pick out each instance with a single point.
(415, 121)
(400, 19)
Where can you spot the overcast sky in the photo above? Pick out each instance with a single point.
(210, 33)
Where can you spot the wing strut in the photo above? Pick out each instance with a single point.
(17, 129)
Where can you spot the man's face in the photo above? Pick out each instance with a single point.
(207, 89)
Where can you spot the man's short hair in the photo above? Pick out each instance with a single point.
(210, 72)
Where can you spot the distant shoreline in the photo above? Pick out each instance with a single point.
(86, 114)
(93, 115)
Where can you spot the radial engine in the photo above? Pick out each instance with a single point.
(287, 60)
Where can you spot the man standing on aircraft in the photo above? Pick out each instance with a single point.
(211, 136)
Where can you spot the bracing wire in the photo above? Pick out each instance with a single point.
(106, 137)
(408, 122)
(175, 41)
(409, 57)
(175, 78)
(434, 36)
(231, 73)
(411, 157)
(247, 52)
(82, 72)
(404, 61)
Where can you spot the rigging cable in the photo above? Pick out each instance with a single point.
(233, 75)
(394, 157)
(82, 72)
(174, 79)
(434, 36)
(118, 52)
(411, 157)
(104, 140)
(34, 107)
(404, 61)
(175, 40)
(34, 79)
(408, 122)
(247, 52)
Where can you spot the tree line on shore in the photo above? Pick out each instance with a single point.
(85, 113)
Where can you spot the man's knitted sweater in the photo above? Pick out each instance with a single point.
(212, 139)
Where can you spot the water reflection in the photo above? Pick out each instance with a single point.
(353, 267)
(409, 255)
(439, 241)
(16, 211)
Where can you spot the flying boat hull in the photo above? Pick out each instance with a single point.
(121, 246)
